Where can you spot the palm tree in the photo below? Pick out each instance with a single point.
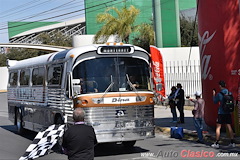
(145, 36)
(120, 24)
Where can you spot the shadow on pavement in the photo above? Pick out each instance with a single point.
(166, 122)
(28, 134)
(105, 149)
(109, 149)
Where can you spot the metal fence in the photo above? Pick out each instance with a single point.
(188, 73)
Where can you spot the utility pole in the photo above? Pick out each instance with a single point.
(157, 21)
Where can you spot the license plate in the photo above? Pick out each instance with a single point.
(130, 124)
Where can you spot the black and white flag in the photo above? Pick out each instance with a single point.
(43, 142)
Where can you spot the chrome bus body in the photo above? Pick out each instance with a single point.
(44, 90)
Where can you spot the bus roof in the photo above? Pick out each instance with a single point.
(66, 54)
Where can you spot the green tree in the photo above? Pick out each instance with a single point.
(3, 59)
(144, 36)
(23, 53)
(120, 24)
(56, 38)
(188, 38)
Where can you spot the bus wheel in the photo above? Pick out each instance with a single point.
(19, 122)
(128, 144)
(58, 146)
(58, 120)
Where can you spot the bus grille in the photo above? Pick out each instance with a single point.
(118, 113)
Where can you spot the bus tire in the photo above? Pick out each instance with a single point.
(58, 119)
(19, 121)
(58, 146)
(128, 144)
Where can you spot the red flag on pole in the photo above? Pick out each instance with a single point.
(157, 71)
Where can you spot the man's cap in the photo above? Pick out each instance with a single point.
(198, 93)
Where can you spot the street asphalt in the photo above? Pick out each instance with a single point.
(161, 142)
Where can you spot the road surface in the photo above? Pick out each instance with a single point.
(13, 146)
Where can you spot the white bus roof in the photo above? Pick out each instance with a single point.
(66, 54)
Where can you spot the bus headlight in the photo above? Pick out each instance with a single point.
(79, 102)
(97, 100)
(140, 98)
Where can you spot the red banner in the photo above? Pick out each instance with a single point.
(157, 70)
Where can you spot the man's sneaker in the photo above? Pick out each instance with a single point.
(214, 145)
(232, 145)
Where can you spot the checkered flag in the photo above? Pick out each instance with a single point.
(43, 142)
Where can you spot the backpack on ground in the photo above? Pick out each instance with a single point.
(176, 132)
(228, 102)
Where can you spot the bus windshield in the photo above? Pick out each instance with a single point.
(113, 74)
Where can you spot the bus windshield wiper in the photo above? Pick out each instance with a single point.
(108, 88)
(132, 86)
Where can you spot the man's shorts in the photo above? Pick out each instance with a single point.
(224, 119)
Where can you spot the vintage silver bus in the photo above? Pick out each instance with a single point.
(111, 82)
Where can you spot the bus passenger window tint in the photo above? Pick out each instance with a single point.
(13, 79)
(24, 77)
(37, 76)
(55, 75)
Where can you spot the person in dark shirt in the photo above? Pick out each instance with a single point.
(79, 140)
(173, 104)
(224, 117)
(180, 101)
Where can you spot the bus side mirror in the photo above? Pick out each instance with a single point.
(76, 87)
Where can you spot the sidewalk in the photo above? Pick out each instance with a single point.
(163, 118)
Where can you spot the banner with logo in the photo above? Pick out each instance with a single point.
(219, 45)
(157, 70)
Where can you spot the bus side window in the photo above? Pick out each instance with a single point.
(55, 75)
(38, 76)
(13, 77)
(24, 77)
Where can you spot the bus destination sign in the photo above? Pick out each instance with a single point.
(115, 49)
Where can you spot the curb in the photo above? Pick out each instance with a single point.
(190, 135)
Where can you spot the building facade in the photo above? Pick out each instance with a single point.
(26, 32)
(169, 23)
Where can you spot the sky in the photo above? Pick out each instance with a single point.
(37, 10)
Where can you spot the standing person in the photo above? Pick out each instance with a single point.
(180, 101)
(198, 114)
(172, 104)
(79, 140)
(224, 117)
